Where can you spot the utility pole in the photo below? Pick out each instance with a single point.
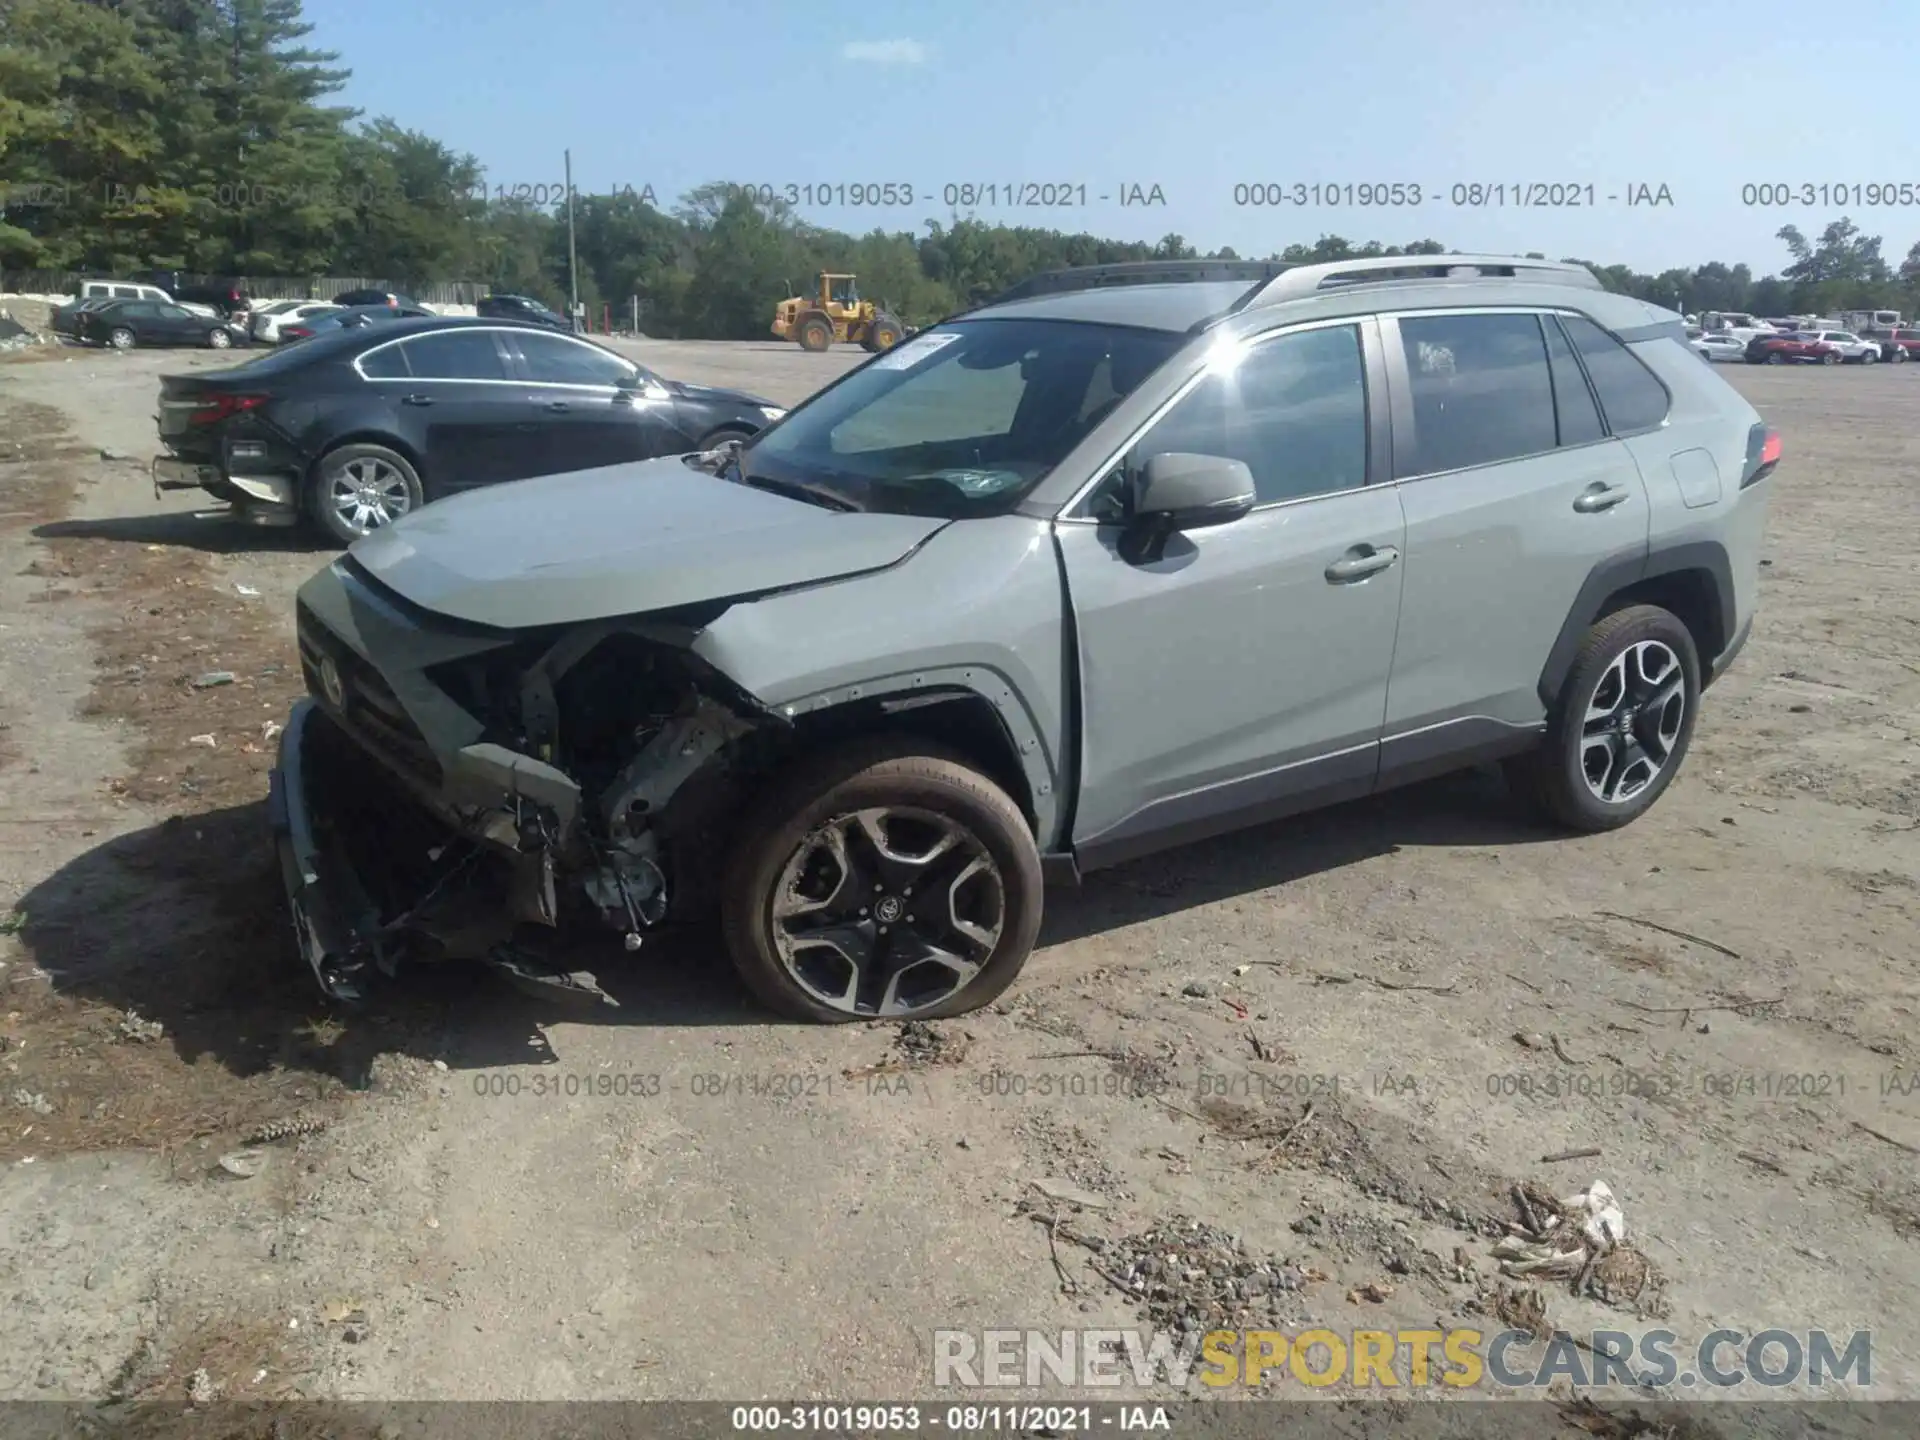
(573, 255)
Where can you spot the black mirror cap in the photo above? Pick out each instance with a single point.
(1177, 491)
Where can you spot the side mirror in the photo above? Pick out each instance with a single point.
(1176, 491)
(641, 387)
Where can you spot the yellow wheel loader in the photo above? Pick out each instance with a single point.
(835, 312)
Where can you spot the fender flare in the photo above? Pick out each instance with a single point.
(1038, 765)
(1621, 571)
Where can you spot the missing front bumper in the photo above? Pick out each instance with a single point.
(349, 939)
(337, 938)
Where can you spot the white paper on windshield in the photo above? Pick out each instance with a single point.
(905, 357)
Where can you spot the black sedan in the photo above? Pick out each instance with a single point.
(65, 319)
(124, 324)
(520, 307)
(350, 318)
(358, 426)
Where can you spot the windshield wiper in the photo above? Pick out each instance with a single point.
(794, 490)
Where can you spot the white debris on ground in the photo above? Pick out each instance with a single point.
(1580, 1238)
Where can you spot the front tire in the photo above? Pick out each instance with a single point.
(219, 339)
(721, 436)
(1621, 727)
(815, 334)
(357, 489)
(883, 880)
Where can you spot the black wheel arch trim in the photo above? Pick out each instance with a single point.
(1031, 750)
(1624, 570)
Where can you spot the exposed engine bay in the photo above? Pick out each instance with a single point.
(607, 760)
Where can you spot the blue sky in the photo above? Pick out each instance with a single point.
(1195, 99)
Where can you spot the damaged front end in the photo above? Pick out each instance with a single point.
(454, 792)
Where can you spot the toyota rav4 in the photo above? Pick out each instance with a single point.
(1129, 557)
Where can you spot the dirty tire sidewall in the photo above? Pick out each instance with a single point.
(875, 772)
(324, 515)
(1552, 777)
(815, 335)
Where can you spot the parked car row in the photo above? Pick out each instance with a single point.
(1829, 347)
(123, 324)
(368, 419)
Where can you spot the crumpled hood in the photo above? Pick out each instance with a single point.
(622, 540)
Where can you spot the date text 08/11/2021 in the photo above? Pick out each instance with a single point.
(855, 194)
(1466, 195)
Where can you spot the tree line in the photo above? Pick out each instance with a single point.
(200, 135)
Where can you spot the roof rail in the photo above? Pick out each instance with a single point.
(1299, 281)
(1141, 272)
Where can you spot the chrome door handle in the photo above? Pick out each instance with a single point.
(417, 400)
(1360, 563)
(1594, 501)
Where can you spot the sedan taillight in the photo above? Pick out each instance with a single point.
(219, 407)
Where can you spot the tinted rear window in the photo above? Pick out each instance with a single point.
(1573, 405)
(326, 344)
(1631, 398)
(1482, 391)
(455, 355)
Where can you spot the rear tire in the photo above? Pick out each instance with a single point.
(1620, 729)
(883, 334)
(358, 489)
(1830, 359)
(1776, 358)
(807, 845)
(121, 338)
(1868, 357)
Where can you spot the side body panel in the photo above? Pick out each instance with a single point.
(1706, 429)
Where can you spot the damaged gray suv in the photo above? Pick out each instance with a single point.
(1131, 556)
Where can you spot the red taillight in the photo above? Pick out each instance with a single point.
(1763, 453)
(295, 332)
(219, 407)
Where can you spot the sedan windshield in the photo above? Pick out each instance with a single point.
(962, 420)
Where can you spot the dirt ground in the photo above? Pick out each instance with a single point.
(1314, 1038)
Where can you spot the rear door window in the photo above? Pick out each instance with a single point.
(1573, 405)
(386, 362)
(1482, 391)
(455, 355)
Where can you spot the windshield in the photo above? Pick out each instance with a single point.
(962, 420)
